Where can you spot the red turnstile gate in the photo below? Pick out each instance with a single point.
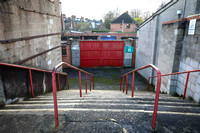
(101, 53)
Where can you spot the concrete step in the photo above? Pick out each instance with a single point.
(102, 111)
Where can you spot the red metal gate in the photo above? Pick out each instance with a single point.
(101, 53)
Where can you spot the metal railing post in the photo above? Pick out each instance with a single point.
(133, 80)
(86, 82)
(58, 80)
(126, 83)
(186, 84)
(156, 99)
(55, 98)
(31, 83)
(120, 83)
(68, 81)
(80, 83)
(148, 83)
(90, 82)
(93, 82)
(123, 83)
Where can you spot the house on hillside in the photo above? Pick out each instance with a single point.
(124, 23)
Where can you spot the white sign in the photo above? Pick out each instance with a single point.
(192, 25)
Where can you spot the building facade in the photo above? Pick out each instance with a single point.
(124, 23)
(163, 40)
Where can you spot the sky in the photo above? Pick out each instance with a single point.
(96, 9)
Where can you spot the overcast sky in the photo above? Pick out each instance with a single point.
(95, 9)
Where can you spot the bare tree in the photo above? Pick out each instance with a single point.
(136, 13)
(110, 16)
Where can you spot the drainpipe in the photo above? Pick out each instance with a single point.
(156, 43)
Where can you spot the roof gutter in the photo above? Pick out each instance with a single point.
(168, 5)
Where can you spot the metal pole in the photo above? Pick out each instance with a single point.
(58, 80)
(90, 82)
(86, 82)
(148, 83)
(68, 81)
(126, 83)
(120, 83)
(31, 83)
(55, 99)
(80, 83)
(93, 82)
(123, 83)
(133, 80)
(186, 84)
(156, 100)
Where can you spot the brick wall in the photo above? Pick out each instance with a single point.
(118, 27)
(67, 58)
(19, 20)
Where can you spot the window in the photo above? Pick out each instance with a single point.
(128, 26)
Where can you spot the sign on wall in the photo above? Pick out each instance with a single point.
(129, 49)
(192, 25)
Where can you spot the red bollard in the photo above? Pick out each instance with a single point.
(126, 83)
(80, 83)
(133, 80)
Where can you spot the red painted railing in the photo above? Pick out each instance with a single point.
(188, 75)
(157, 89)
(35, 69)
(54, 86)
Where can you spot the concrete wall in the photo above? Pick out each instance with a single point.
(118, 27)
(15, 83)
(18, 23)
(145, 47)
(170, 53)
(149, 34)
(164, 42)
(190, 60)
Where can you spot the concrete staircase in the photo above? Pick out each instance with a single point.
(102, 111)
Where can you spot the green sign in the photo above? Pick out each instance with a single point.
(129, 49)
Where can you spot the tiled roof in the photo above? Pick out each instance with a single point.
(126, 17)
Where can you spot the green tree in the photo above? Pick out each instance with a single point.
(83, 26)
(139, 20)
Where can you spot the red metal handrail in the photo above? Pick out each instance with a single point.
(177, 73)
(54, 86)
(157, 89)
(30, 74)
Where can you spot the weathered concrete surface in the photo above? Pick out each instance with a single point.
(103, 110)
(106, 78)
(16, 23)
(106, 111)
